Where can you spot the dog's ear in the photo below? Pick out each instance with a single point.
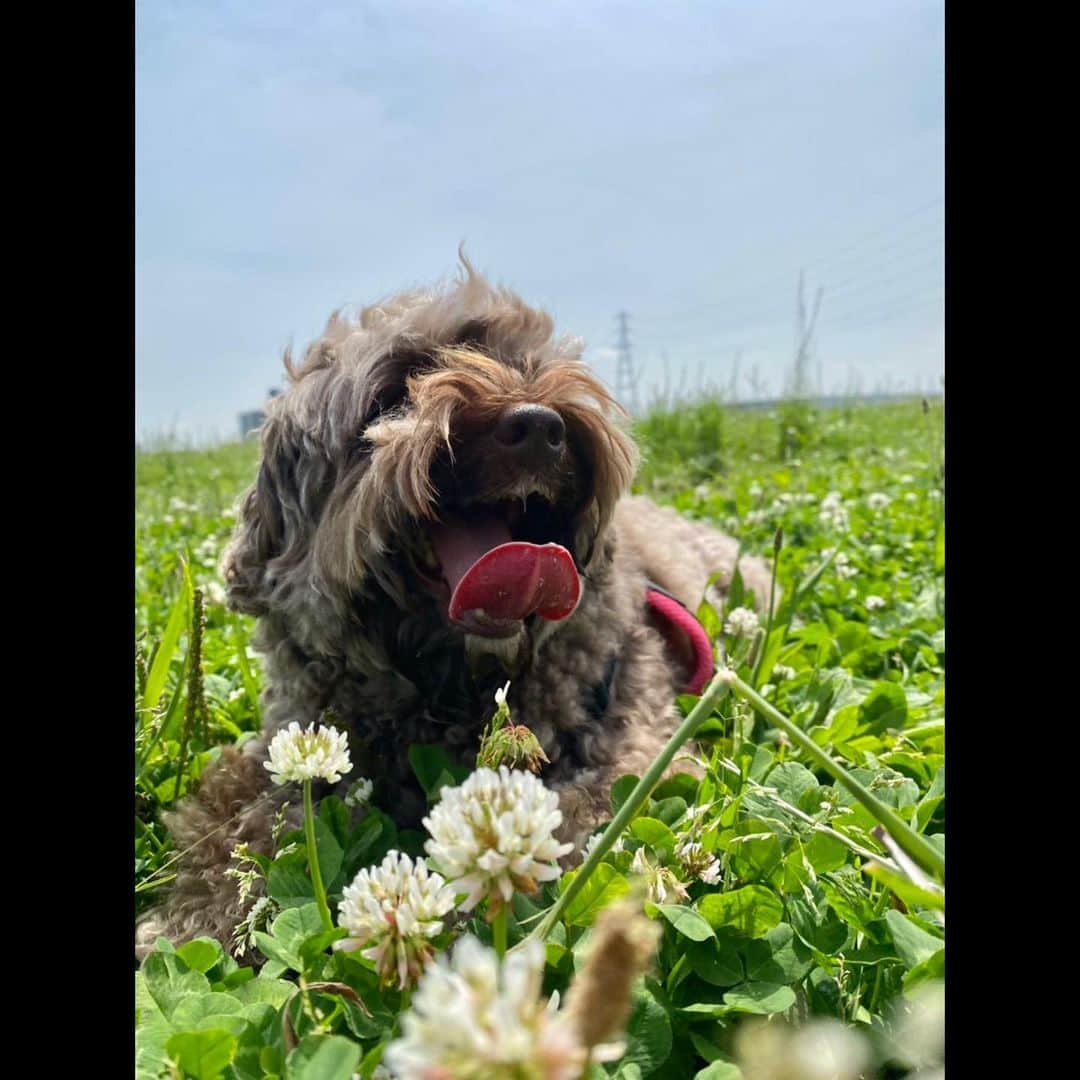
(276, 518)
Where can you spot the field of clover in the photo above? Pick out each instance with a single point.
(781, 914)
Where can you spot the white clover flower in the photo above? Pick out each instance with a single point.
(781, 672)
(473, 1018)
(593, 840)
(911, 497)
(699, 862)
(394, 909)
(820, 1050)
(495, 834)
(359, 793)
(215, 593)
(756, 517)
(844, 569)
(310, 754)
(832, 513)
(874, 603)
(742, 622)
(754, 490)
(877, 501)
(906, 478)
(659, 880)
(702, 491)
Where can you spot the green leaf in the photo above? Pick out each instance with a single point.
(778, 957)
(322, 1057)
(669, 810)
(885, 707)
(201, 954)
(648, 1033)
(762, 998)
(429, 762)
(656, 834)
(605, 884)
(720, 1070)
(929, 970)
(686, 921)
(792, 781)
(330, 853)
(334, 814)
(202, 1055)
(273, 992)
(287, 880)
(913, 944)
(620, 792)
(752, 911)
(295, 925)
(715, 962)
(825, 852)
(169, 980)
(913, 896)
(159, 671)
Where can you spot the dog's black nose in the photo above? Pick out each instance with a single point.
(533, 434)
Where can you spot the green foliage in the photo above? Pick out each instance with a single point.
(793, 905)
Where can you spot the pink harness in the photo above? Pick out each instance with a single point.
(684, 634)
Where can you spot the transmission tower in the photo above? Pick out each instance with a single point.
(804, 334)
(625, 376)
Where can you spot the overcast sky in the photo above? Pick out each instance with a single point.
(680, 162)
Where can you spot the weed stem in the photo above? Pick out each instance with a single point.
(918, 847)
(313, 859)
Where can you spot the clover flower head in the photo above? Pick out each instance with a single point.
(742, 622)
(831, 512)
(310, 754)
(395, 909)
(472, 1018)
(659, 880)
(359, 793)
(593, 840)
(874, 603)
(877, 500)
(698, 862)
(494, 834)
(820, 1050)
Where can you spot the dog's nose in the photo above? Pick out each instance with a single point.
(532, 434)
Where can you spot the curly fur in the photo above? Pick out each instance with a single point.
(384, 422)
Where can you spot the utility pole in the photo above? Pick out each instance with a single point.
(625, 376)
(733, 390)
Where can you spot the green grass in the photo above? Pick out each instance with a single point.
(801, 922)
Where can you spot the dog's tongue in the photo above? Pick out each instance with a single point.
(496, 582)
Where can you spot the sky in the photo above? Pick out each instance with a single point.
(681, 162)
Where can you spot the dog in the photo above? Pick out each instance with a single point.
(441, 506)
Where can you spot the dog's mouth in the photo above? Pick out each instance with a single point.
(502, 563)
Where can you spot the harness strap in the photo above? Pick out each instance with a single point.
(684, 633)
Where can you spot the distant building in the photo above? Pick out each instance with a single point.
(252, 421)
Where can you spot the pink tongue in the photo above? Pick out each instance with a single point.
(496, 582)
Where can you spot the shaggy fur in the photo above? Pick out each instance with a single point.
(386, 425)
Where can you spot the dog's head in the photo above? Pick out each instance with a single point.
(442, 452)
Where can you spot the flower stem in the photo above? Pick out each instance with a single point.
(918, 847)
(498, 931)
(714, 693)
(313, 859)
